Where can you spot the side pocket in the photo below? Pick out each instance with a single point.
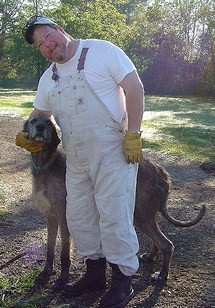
(66, 141)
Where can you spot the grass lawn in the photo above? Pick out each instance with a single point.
(181, 126)
(21, 101)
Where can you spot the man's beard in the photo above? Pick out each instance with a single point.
(61, 57)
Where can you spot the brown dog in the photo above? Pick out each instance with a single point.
(48, 169)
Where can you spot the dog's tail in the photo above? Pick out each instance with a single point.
(179, 223)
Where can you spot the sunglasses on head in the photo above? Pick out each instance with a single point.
(30, 23)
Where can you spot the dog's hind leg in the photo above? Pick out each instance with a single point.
(160, 241)
(151, 256)
(52, 227)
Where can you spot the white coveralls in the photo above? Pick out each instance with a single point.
(100, 184)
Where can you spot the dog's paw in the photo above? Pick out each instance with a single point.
(43, 277)
(58, 285)
(158, 278)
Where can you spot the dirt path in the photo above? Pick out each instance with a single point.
(192, 276)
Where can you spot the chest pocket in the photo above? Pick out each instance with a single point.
(69, 96)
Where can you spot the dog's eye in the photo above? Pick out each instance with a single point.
(33, 121)
(49, 122)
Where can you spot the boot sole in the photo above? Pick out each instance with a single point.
(122, 304)
(77, 294)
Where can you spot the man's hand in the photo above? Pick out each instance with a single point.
(30, 145)
(132, 147)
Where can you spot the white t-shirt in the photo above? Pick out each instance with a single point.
(105, 67)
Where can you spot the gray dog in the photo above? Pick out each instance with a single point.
(49, 194)
(48, 169)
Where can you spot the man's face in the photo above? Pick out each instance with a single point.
(52, 43)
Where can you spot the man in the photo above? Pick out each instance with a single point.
(95, 95)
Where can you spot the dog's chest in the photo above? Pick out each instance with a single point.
(42, 202)
(49, 192)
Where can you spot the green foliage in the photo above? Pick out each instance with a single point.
(12, 288)
(3, 212)
(92, 19)
(174, 47)
(29, 60)
(172, 43)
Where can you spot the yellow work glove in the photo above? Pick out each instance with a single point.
(30, 145)
(132, 147)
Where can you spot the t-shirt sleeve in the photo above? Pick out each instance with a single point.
(118, 63)
(41, 100)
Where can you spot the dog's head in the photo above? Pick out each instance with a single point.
(42, 129)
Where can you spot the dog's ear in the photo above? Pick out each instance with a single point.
(55, 138)
(25, 126)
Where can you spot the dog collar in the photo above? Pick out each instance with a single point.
(45, 166)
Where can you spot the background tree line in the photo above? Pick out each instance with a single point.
(172, 42)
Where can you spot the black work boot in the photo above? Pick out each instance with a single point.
(121, 291)
(93, 280)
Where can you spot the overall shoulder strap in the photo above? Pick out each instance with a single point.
(55, 76)
(80, 65)
(85, 48)
(82, 59)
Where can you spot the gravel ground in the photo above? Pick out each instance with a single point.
(191, 280)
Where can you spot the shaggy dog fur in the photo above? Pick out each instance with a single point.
(48, 169)
(49, 194)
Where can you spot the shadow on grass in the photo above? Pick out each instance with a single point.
(178, 104)
(14, 91)
(186, 142)
(26, 105)
(187, 130)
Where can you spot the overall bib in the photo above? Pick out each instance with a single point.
(101, 186)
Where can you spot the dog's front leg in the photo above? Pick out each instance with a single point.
(65, 257)
(52, 228)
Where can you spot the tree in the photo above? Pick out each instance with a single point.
(170, 37)
(171, 42)
(92, 19)
(18, 60)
